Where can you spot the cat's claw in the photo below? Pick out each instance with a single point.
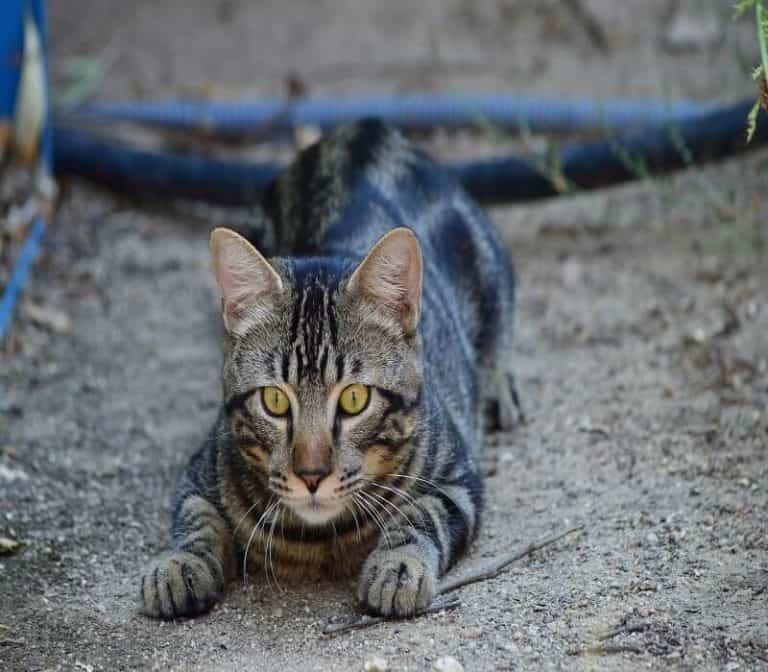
(396, 583)
(181, 584)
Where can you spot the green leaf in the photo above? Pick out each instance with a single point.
(752, 121)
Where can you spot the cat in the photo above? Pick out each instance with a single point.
(357, 361)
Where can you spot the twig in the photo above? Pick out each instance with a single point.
(365, 620)
(486, 571)
(625, 628)
(501, 562)
(604, 649)
(12, 642)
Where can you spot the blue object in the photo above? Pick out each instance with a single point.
(11, 50)
(21, 270)
(587, 165)
(413, 111)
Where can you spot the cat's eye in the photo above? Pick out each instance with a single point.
(275, 400)
(354, 399)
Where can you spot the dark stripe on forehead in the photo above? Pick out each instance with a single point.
(286, 365)
(298, 299)
(323, 364)
(333, 329)
(357, 367)
(299, 362)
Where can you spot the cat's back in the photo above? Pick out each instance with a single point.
(361, 180)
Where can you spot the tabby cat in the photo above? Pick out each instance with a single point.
(357, 361)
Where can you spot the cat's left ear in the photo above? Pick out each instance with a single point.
(246, 280)
(391, 276)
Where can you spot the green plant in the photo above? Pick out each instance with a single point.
(761, 71)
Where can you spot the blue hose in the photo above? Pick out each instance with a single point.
(589, 165)
(27, 256)
(411, 111)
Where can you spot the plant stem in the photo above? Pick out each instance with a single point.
(761, 15)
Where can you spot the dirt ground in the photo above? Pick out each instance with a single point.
(642, 349)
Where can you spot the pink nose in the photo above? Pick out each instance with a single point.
(312, 478)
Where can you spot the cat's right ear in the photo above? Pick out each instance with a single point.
(246, 280)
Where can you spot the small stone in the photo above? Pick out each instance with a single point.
(8, 546)
(652, 538)
(47, 317)
(376, 664)
(447, 664)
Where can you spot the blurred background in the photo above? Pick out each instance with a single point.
(641, 346)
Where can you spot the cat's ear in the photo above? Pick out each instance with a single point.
(246, 280)
(390, 276)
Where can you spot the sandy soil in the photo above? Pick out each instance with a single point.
(642, 350)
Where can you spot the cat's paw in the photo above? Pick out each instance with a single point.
(181, 584)
(396, 582)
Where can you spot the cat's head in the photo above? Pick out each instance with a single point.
(322, 369)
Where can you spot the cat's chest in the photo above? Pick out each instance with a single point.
(306, 559)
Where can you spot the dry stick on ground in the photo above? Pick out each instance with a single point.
(605, 649)
(625, 628)
(482, 572)
(365, 621)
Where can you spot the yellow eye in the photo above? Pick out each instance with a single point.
(275, 400)
(354, 399)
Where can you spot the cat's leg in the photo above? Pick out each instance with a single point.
(503, 408)
(191, 578)
(400, 577)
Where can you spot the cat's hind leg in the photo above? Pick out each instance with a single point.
(504, 408)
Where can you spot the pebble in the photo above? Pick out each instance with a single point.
(376, 664)
(447, 664)
(652, 538)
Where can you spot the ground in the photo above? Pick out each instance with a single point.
(642, 350)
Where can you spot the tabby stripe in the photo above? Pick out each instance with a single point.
(435, 518)
(333, 328)
(294, 329)
(323, 364)
(237, 401)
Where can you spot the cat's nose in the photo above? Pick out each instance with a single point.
(312, 477)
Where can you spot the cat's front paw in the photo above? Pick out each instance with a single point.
(181, 584)
(396, 582)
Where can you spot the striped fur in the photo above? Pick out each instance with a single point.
(404, 497)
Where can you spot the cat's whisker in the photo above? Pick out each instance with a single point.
(407, 496)
(426, 481)
(373, 511)
(371, 514)
(397, 511)
(410, 500)
(265, 513)
(268, 551)
(351, 509)
(244, 516)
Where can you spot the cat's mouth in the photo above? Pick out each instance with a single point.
(315, 510)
